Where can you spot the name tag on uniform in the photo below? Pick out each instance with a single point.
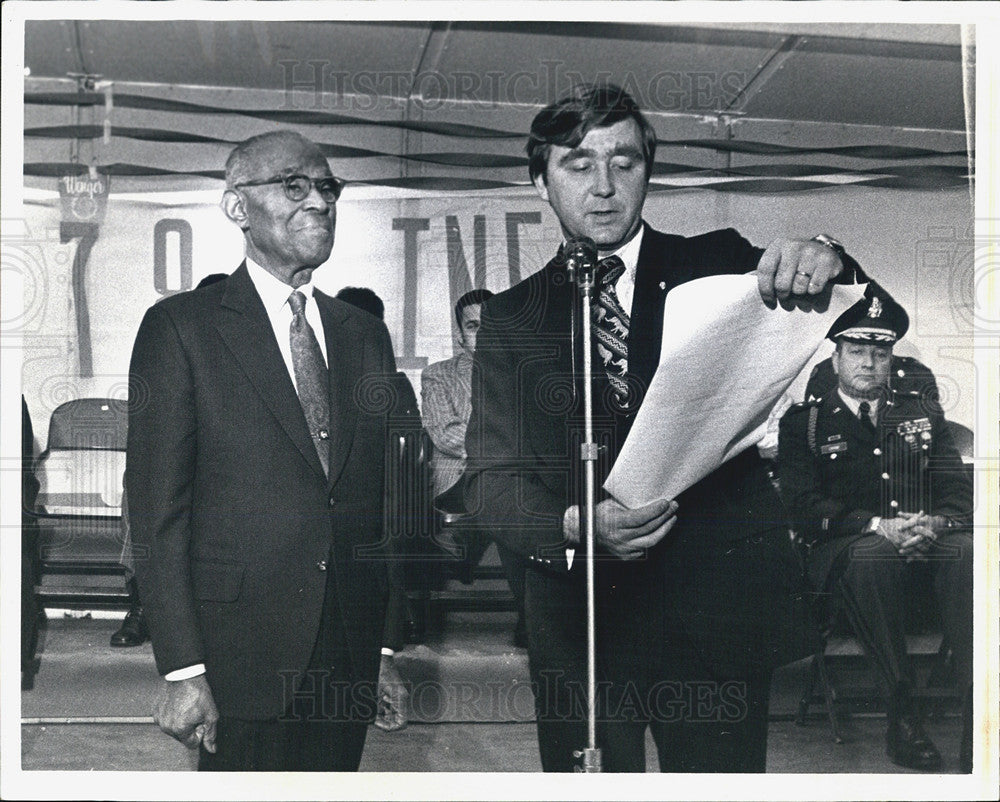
(832, 448)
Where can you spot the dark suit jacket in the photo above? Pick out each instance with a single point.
(718, 580)
(228, 495)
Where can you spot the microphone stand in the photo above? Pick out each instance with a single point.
(582, 265)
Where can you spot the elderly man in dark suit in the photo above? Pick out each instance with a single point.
(255, 482)
(689, 589)
(877, 490)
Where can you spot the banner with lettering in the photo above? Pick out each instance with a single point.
(420, 254)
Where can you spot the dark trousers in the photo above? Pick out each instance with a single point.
(324, 725)
(870, 577)
(555, 615)
(514, 568)
(285, 746)
(701, 722)
(698, 725)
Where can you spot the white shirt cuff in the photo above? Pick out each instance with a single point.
(387, 652)
(185, 673)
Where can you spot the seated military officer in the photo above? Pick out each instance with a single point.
(875, 486)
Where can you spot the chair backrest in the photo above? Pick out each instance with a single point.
(963, 439)
(89, 424)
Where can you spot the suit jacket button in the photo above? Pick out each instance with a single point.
(331, 502)
(321, 565)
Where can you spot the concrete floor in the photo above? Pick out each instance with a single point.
(90, 710)
(461, 747)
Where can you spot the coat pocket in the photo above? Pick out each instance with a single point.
(216, 581)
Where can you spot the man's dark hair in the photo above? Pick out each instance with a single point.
(470, 298)
(566, 122)
(363, 298)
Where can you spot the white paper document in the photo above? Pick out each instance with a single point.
(725, 361)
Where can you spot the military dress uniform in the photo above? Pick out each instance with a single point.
(840, 474)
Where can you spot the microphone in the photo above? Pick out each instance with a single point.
(581, 259)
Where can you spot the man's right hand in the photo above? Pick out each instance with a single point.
(626, 533)
(186, 710)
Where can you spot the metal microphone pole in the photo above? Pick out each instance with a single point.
(582, 264)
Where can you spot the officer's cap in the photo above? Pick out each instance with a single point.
(876, 318)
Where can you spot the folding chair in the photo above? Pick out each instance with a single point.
(78, 508)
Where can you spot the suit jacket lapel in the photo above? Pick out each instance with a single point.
(246, 329)
(657, 272)
(345, 356)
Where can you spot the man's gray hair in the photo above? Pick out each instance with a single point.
(244, 157)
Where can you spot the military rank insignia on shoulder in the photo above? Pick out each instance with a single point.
(811, 401)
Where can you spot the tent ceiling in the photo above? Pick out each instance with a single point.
(892, 76)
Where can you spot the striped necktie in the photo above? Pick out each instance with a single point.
(311, 378)
(611, 324)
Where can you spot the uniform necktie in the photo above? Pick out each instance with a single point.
(864, 413)
(311, 378)
(611, 324)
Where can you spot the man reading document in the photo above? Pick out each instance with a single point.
(688, 588)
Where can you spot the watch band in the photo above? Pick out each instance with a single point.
(830, 242)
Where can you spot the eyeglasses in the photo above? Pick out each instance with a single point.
(297, 187)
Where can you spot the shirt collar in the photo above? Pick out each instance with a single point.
(629, 252)
(272, 290)
(854, 404)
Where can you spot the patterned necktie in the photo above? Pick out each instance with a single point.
(865, 415)
(311, 378)
(611, 324)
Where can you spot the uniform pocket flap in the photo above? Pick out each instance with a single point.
(217, 581)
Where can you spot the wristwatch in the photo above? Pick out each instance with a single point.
(831, 243)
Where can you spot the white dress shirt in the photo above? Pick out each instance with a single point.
(629, 254)
(274, 293)
(854, 404)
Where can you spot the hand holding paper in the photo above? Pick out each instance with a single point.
(625, 532)
(725, 359)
